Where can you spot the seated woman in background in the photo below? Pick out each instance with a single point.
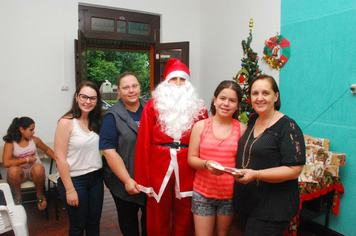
(20, 156)
(271, 156)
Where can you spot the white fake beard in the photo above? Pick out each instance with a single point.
(178, 108)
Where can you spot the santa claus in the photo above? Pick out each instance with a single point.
(161, 167)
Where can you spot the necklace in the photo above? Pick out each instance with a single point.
(85, 123)
(248, 139)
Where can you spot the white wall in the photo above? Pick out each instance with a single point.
(37, 48)
(224, 24)
(37, 53)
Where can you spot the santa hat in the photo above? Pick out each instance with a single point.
(176, 68)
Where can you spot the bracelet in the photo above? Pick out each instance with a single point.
(27, 160)
(70, 191)
(258, 177)
(205, 164)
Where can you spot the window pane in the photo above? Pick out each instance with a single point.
(138, 28)
(100, 24)
(171, 53)
(121, 26)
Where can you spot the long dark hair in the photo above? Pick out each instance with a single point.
(227, 84)
(277, 104)
(95, 115)
(13, 132)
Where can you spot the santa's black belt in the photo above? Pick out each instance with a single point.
(174, 145)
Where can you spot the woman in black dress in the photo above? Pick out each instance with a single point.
(271, 156)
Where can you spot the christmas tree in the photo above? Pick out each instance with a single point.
(249, 70)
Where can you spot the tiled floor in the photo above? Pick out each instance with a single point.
(39, 226)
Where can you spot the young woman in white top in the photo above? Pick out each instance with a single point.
(76, 151)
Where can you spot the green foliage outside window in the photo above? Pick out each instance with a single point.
(109, 64)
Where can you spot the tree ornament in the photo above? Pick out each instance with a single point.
(241, 77)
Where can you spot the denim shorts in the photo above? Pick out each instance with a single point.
(203, 206)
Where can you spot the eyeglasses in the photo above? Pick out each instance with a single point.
(84, 98)
(133, 87)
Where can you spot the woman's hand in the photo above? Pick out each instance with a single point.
(248, 176)
(72, 198)
(32, 159)
(213, 170)
(270, 175)
(132, 187)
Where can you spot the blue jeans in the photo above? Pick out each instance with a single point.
(86, 216)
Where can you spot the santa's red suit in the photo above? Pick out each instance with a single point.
(164, 171)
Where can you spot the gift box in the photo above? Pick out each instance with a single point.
(319, 160)
(309, 154)
(314, 153)
(335, 158)
(307, 174)
(310, 140)
(332, 170)
(318, 170)
(312, 172)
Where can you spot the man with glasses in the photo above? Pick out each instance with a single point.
(117, 142)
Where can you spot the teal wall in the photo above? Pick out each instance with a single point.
(318, 76)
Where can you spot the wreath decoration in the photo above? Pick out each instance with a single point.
(276, 52)
(242, 77)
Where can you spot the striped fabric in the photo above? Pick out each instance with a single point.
(220, 150)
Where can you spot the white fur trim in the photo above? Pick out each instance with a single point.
(145, 189)
(185, 194)
(177, 73)
(173, 166)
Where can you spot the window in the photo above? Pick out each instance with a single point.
(104, 29)
(99, 23)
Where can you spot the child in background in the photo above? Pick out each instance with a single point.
(213, 142)
(20, 156)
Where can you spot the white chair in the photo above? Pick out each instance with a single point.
(28, 187)
(12, 217)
